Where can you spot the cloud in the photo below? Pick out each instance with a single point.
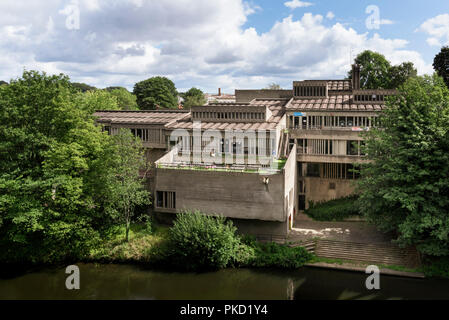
(437, 28)
(293, 4)
(330, 15)
(195, 43)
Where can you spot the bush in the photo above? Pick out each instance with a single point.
(437, 267)
(197, 242)
(334, 210)
(273, 255)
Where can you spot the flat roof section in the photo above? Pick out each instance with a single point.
(332, 103)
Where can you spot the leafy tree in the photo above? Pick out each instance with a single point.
(156, 92)
(405, 189)
(126, 189)
(51, 173)
(441, 64)
(83, 87)
(376, 72)
(98, 100)
(194, 97)
(399, 74)
(273, 86)
(2, 83)
(125, 99)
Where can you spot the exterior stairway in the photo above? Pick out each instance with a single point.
(385, 254)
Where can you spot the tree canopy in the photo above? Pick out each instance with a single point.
(405, 189)
(83, 87)
(194, 97)
(125, 99)
(156, 92)
(273, 86)
(376, 72)
(441, 64)
(54, 196)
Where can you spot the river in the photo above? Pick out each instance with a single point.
(113, 282)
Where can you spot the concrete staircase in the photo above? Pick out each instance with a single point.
(309, 246)
(385, 254)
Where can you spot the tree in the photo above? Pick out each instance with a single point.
(125, 99)
(376, 72)
(405, 188)
(441, 64)
(194, 97)
(126, 187)
(83, 87)
(273, 86)
(156, 92)
(2, 83)
(98, 100)
(52, 171)
(399, 74)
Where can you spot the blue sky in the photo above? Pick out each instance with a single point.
(214, 43)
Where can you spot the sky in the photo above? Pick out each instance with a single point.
(211, 44)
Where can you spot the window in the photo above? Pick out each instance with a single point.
(166, 200)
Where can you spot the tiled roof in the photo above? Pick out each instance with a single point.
(275, 106)
(337, 103)
(339, 85)
(139, 117)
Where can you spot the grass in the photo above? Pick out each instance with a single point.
(139, 248)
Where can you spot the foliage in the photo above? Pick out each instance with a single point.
(83, 87)
(97, 100)
(3, 83)
(436, 267)
(334, 210)
(376, 71)
(273, 86)
(50, 174)
(441, 64)
(273, 255)
(156, 92)
(197, 241)
(404, 189)
(125, 188)
(194, 97)
(125, 99)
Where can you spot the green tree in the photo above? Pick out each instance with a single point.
(156, 92)
(405, 189)
(125, 99)
(376, 72)
(98, 100)
(399, 74)
(83, 87)
(51, 173)
(194, 97)
(441, 64)
(2, 83)
(126, 189)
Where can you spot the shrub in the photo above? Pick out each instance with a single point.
(273, 255)
(334, 210)
(437, 267)
(197, 241)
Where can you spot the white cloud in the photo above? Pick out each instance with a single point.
(330, 15)
(201, 43)
(293, 4)
(437, 28)
(386, 22)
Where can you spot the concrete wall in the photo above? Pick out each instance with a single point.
(231, 194)
(290, 185)
(243, 96)
(318, 190)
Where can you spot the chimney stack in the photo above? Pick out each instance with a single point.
(355, 77)
(219, 92)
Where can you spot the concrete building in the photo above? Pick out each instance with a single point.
(261, 160)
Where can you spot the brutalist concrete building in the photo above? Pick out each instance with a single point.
(261, 160)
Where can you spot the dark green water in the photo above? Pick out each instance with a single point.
(133, 282)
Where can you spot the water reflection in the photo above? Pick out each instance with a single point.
(131, 282)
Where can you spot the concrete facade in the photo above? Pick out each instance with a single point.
(317, 126)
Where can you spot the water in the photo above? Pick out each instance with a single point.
(113, 282)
